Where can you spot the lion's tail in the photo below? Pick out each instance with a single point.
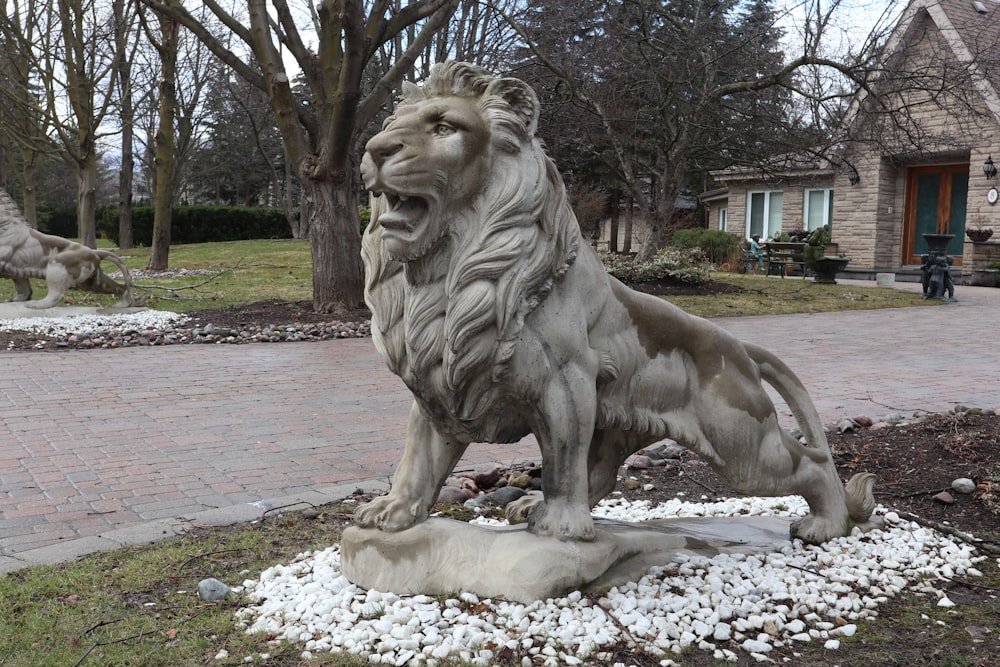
(859, 496)
(126, 298)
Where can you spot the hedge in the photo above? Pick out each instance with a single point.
(717, 245)
(202, 224)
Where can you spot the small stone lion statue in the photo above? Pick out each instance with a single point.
(502, 322)
(27, 253)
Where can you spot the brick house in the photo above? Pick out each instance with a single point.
(884, 190)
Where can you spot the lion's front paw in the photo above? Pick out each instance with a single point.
(562, 520)
(814, 529)
(389, 513)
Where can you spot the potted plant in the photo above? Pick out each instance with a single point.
(977, 231)
(826, 267)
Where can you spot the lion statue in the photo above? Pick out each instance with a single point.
(27, 253)
(502, 323)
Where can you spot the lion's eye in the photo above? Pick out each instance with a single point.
(443, 130)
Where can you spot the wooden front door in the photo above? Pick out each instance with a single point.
(935, 204)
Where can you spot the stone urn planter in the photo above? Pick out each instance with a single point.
(827, 268)
(979, 235)
(984, 277)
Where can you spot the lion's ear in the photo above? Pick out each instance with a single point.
(521, 98)
(411, 93)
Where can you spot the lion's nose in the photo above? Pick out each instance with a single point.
(382, 146)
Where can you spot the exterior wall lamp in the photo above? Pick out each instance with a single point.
(989, 168)
(854, 178)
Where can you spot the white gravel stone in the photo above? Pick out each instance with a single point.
(61, 326)
(725, 605)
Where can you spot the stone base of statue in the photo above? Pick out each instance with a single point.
(445, 557)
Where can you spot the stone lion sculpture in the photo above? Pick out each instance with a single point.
(27, 253)
(502, 322)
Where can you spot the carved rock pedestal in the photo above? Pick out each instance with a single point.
(443, 556)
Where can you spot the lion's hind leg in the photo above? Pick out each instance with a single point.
(762, 459)
(833, 508)
(22, 289)
(58, 281)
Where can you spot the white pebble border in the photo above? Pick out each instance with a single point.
(71, 324)
(725, 605)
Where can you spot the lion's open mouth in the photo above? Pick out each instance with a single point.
(402, 212)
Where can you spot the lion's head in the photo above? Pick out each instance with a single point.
(470, 227)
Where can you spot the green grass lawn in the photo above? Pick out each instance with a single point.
(243, 272)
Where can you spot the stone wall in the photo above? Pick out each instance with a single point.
(981, 255)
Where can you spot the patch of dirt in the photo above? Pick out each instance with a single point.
(276, 312)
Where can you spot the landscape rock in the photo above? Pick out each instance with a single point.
(945, 498)
(453, 495)
(639, 461)
(488, 478)
(847, 426)
(964, 485)
(212, 590)
(664, 450)
(504, 495)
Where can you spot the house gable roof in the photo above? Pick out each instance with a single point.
(961, 23)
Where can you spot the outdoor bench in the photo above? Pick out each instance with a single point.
(780, 256)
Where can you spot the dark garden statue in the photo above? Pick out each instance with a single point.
(502, 321)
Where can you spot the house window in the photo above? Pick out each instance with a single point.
(764, 213)
(818, 208)
(724, 218)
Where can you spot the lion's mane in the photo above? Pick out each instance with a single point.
(504, 253)
(10, 214)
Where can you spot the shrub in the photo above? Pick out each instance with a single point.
(717, 245)
(687, 266)
(202, 224)
(365, 215)
(58, 220)
(996, 267)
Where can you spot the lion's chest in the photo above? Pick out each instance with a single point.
(490, 414)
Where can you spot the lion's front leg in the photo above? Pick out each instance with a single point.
(565, 428)
(428, 459)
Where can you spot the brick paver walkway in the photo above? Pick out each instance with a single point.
(105, 440)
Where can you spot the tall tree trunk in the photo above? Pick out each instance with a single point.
(629, 218)
(127, 115)
(125, 238)
(615, 225)
(300, 224)
(29, 176)
(86, 202)
(335, 241)
(163, 201)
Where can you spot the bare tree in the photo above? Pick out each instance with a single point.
(668, 90)
(124, 15)
(166, 45)
(319, 129)
(89, 65)
(25, 27)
